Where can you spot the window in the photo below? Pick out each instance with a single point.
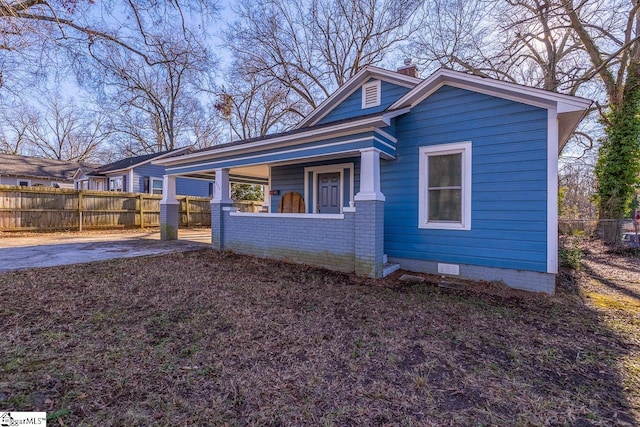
(156, 186)
(24, 182)
(371, 94)
(115, 184)
(445, 186)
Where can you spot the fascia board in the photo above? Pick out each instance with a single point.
(284, 141)
(526, 95)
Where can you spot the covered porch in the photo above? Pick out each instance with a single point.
(338, 220)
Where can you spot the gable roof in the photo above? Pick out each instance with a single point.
(37, 167)
(351, 86)
(570, 109)
(131, 162)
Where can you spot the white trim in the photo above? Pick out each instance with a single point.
(423, 185)
(351, 86)
(288, 215)
(130, 179)
(168, 190)
(270, 187)
(221, 186)
(377, 85)
(385, 143)
(333, 168)
(387, 135)
(524, 94)
(369, 176)
(343, 129)
(151, 179)
(552, 191)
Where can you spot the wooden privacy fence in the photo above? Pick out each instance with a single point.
(44, 208)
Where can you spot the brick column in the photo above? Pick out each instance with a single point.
(369, 227)
(169, 209)
(369, 239)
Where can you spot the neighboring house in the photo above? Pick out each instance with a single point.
(454, 174)
(139, 175)
(36, 171)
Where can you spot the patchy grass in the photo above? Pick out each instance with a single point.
(203, 338)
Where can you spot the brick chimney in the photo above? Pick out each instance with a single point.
(409, 68)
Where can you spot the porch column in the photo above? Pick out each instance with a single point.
(221, 199)
(266, 204)
(369, 229)
(169, 209)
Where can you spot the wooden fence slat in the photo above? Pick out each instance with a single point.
(45, 208)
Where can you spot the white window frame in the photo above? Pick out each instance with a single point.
(378, 86)
(114, 180)
(423, 186)
(28, 181)
(151, 179)
(337, 168)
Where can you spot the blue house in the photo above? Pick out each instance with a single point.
(454, 174)
(140, 175)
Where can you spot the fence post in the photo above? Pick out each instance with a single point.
(186, 200)
(79, 210)
(141, 210)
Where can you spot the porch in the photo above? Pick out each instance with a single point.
(339, 225)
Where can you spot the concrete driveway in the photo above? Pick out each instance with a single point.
(61, 249)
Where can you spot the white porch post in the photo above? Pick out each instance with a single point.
(221, 200)
(222, 187)
(369, 227)
(267, 197)
(369, 176)
(169, 209)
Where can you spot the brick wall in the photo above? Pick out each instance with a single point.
(317, 241)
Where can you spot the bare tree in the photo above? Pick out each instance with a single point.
(587, 46)
(253, 105)
(63, 130)
(312, 47)
(153, 97)
(15, 124)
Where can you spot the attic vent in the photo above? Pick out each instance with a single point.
(371, 94)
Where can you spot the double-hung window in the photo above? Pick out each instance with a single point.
(445, 186)
(156, 186)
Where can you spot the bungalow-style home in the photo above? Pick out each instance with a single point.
(139, 175)
(455, 174)
(36, 171)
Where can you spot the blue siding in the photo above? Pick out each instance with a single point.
(352, 105)
(291, 178)
(140, 172)
(184, 186)
(509, 182)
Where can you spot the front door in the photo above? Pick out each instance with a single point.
(329, 193)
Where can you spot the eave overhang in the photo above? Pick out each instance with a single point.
(340, 136)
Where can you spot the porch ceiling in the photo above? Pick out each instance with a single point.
(258, 174)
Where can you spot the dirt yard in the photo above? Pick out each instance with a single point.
(201, 338)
